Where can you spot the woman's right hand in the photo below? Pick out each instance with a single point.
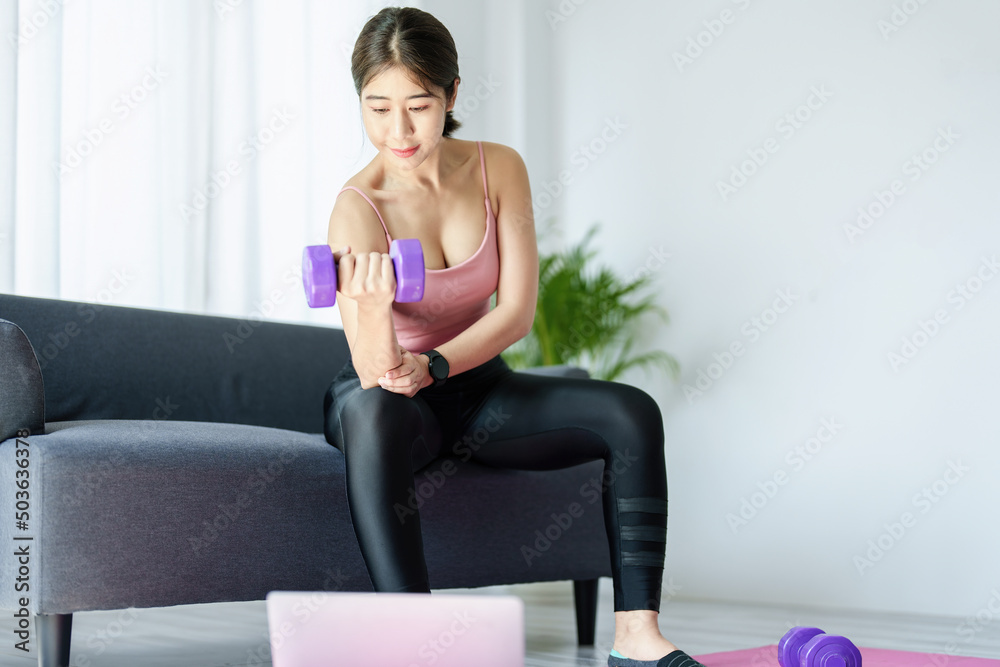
(368, 278)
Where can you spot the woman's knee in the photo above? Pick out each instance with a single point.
(376, 421)
(637, 459)
(380, 410)
(635, 414)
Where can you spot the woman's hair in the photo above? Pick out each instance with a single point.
(413, 39)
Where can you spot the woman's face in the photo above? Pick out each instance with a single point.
(403, 119)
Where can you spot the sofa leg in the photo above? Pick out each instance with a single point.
(585, 596)
(53, 632)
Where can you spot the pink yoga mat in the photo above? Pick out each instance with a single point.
(767, 656)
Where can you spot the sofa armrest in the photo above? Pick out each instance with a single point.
(559, 371)
(22, 395)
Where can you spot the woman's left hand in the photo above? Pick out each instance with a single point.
(409, 377)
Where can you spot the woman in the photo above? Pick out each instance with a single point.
(424, 374)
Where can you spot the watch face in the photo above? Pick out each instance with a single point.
(439, 366)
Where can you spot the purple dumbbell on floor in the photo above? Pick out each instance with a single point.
(319, 273)
(811, 647)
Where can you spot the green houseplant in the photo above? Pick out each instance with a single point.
(588, 316)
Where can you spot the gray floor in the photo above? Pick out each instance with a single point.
(236, 634)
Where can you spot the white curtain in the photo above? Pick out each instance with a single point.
(174, 154)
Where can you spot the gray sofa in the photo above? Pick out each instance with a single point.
(176, 459)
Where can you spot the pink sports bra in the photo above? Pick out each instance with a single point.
(454, 297)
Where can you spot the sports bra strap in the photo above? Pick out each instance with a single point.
(384, 228)
(482, 165)
(486, 192)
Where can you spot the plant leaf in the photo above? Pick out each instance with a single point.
(587, 315)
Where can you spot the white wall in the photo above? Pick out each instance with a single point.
(899, 430)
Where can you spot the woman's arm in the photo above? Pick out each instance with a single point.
(365, 287)
(517, 291)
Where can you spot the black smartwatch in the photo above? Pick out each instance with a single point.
(438, 367)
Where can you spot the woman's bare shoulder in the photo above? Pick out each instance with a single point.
(353, 220)
(502, 155)
(504, 167)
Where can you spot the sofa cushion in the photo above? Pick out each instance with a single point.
(156, 513)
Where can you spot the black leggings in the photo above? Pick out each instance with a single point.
(535, 423)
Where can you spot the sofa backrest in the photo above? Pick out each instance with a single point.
(115, 362)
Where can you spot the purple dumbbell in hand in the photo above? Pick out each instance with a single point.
(811, 647)
(319, 273)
